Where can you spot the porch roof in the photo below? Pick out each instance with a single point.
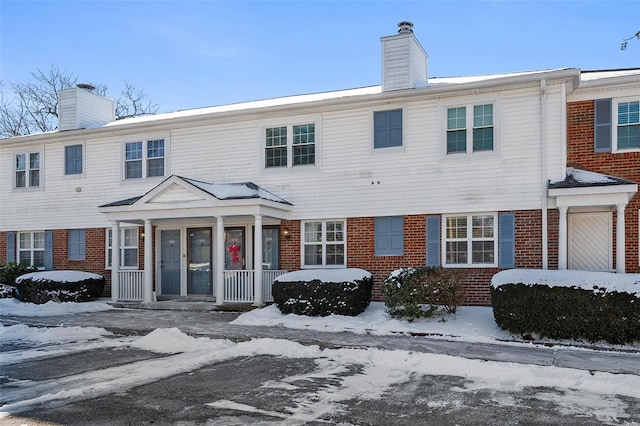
(584, 187)
(181, 197)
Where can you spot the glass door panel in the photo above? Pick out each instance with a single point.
(199, 260)
(234, 249)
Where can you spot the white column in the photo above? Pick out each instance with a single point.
(219, 266)
(562, 239)
(148, 262)
(115, 261)
(620, 239)
(257, 261)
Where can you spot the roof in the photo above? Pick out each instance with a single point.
(578, 178)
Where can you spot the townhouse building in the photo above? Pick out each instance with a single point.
(533, 169)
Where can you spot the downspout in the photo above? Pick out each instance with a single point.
(543, 171)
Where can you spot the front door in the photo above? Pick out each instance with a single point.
(170, 262)
(590, 241)
(199, 262)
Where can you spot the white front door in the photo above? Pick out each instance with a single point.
(590, 241)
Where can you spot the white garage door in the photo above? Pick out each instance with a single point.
(590, 241)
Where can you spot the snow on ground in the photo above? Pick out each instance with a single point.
(14, 307)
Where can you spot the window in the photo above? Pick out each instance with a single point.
(389, 236)
(27, 170)
(128, 248)
(76, 244)
(628, 125)
(31, 248)
(144, 159)
(387, 128)
(474, 120)
(73, 160)
(323, 243)
(281, 151)
(470, 240)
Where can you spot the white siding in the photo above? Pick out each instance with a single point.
(404, 63)
(81, 108)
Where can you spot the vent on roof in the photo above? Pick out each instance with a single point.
(85, 86)
(405, 27)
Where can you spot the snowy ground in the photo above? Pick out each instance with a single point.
(363, 375)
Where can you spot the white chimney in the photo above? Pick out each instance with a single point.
(80, 108)
(404, 61)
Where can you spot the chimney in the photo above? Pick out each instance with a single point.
(81, 108)
(404, 61)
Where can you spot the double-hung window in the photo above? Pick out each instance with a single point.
(128, 248)
(628, 131)
(470, 240)
(387, 128)
(323, 243)
(144, 159)
(31, 248)
(73, 160)
(27, 170)
(291, 145)
(617, 125)
(470, 128)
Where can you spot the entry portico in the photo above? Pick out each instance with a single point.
(182, 219)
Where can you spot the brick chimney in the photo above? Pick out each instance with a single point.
(81, 108)
(404, 61)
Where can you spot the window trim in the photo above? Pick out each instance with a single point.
(82, 159)
(31, 249)
(27, 169)
(289, 124)
(108, 246)
(323, 243)
(144, 139)
(614, 124)
(469, 104)
(470, 240)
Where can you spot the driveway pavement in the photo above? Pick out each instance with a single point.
(217, 325)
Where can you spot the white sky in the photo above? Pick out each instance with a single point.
(189, 54)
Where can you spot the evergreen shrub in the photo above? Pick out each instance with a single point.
(567, 313)
(422, 292)
(40, 287)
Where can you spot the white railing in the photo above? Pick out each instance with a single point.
(239, 287)
(131, 286)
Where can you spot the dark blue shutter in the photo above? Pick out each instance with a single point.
(11, 247)
(76, 245)
(433, 241)
(506, 240)
(602, 130)
(48, 250)
(387, 127)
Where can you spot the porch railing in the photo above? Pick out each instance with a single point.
(131, 286)
(239, 288)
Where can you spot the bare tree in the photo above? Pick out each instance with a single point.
(33, 106)
(625, 41)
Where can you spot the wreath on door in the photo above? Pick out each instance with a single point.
(234, 249)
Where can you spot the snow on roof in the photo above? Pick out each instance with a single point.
(229, 191)
(59, 276)
(600, 74)
(586, 280)
(579, 178)
(325, 275)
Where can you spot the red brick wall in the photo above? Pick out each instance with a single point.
(580, 153)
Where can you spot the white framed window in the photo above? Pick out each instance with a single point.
(31, 248)
(324, 243)
(291, 144)
(626, 114)
(28, 170)
(128, 248)
(145, 158)
(470, 240)
(471, 126)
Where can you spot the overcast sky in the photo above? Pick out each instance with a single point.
(189, 54)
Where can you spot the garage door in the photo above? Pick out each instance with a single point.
(590, 241)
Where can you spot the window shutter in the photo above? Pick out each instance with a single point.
(433, 241)
(506, 241)
(48, 250)
(76, 244)
(11, 247)
(382, 236)
(396, 236)
(602, 130)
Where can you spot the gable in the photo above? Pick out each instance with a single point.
(175, 193)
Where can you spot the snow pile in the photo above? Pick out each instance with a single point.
(627, 283)
(54, 335)
(59, 276)
(344, 275)
(13, 307)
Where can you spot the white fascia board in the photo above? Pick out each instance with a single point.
(585, 200)
(629, 190)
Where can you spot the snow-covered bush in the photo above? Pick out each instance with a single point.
(323, 292)
(8, 292)
(12, 270)
(421, 292)
(577, 305)
(59, 286)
